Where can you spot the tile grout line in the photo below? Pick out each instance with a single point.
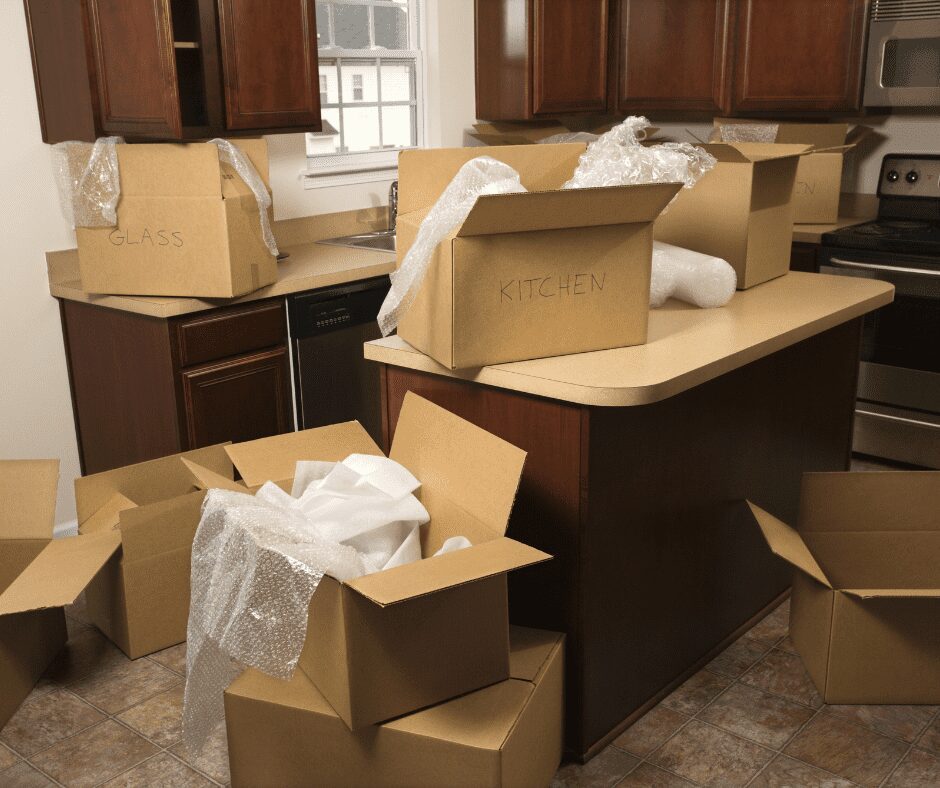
(907, 752)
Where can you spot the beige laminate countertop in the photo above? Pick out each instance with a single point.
(687, 346)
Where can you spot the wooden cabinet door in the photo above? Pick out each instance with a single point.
(269, 60)
(802, 55)
(569, 56)
(237, 400)
(135, 65)
(672, 54)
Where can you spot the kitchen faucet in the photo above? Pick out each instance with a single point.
(392, 206)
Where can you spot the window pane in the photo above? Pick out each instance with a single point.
(361, 128)
(391, 28)
(398, 127)
(323, 30)
(324, 143)
(360, 81)
(329, 95)
(351, 26)
(397, 80)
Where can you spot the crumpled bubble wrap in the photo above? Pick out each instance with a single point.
(482, 175)
(88, 181)
(617, 158)
(749, 132)
(690, 276)
(568, 136)
(258, 559)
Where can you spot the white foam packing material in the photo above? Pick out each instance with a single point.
(258, 559)
(690, 276)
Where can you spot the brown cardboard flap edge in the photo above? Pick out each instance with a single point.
(893, 593)
(60, 572)
(786, 543)
(752, 152)
(438, 572)
(108, 516)
(207, 479)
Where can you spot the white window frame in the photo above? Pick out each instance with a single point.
(374, 166)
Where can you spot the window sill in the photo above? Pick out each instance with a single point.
(314, 179)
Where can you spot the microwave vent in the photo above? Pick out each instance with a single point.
(899, 10)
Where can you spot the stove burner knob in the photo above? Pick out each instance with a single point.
(892, 176)
(911, 177)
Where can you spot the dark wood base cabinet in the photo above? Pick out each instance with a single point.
(145, 387)
(657, 564)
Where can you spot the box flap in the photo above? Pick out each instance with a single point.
(161, 527)
(530, 651)
(817, 135)
(207, 479)
(457, 460)
(169, 170)
(60, 572)
(870, 501)
(256, 148)
(27, 498)
(896, 593)
(274, 458)
(445, 571)
(788, 544)
(525, 212)
(108, 516)
(741, 152)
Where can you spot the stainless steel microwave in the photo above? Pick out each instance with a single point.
(903, 66)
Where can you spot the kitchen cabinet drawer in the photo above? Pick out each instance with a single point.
(223, 333)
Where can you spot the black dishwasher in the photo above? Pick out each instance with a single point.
(332, 380)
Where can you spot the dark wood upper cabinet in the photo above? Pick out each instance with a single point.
(174, 69)
(269, 57)
(802, 55)
(672, 55)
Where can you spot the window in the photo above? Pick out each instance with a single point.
(371, 76)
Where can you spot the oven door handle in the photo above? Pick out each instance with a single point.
(890, 269)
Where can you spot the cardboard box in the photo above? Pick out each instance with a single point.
(187, 225)
(530, 132)
(865, 606)
(543, 273)
(818, 183)
(395, 641)
(740, 211)
(509, 734)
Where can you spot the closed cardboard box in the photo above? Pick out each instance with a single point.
(740, 211)
(543, 273)
(187, 225)
(285, 733)
(388, 643)
(865, 606)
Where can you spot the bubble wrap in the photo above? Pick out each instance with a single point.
(88, 181)
(482, 175)
(749, 132)
(233, 156)
(569, 136)
(617, 158)
(693, 277)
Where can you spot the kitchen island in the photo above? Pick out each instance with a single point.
(639, 460)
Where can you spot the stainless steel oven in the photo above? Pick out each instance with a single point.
(903, 65)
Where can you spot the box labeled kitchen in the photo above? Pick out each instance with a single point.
(818, 183)
(508, 734)
(391, 642)
(740, 211)
(865, 605)
(187, 225)
(547, 272)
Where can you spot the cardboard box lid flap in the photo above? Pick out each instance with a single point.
(207, 479)
(108, 516)
(816, 135)
(274, 458)
(532, 211)
(161, 527)
(752, 152)
(788, 544)
(165, 170)
(457, 460)
(60, 572)
(446, 571)
(530, 651)
(27, 498)
(893, 593)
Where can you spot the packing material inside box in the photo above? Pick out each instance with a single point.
(548, 131)
(741, 211)
(508, 734)
(545, 272)
(188, 224)
(865, 606)
(818, 182)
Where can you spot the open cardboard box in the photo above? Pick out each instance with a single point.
(391, 642)
(530, 132)
(187, 225)
(818, 183)
(865, 605)
(508, 734)
(545, 273)
(740, 211)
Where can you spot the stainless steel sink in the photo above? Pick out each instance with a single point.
(380, 241)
